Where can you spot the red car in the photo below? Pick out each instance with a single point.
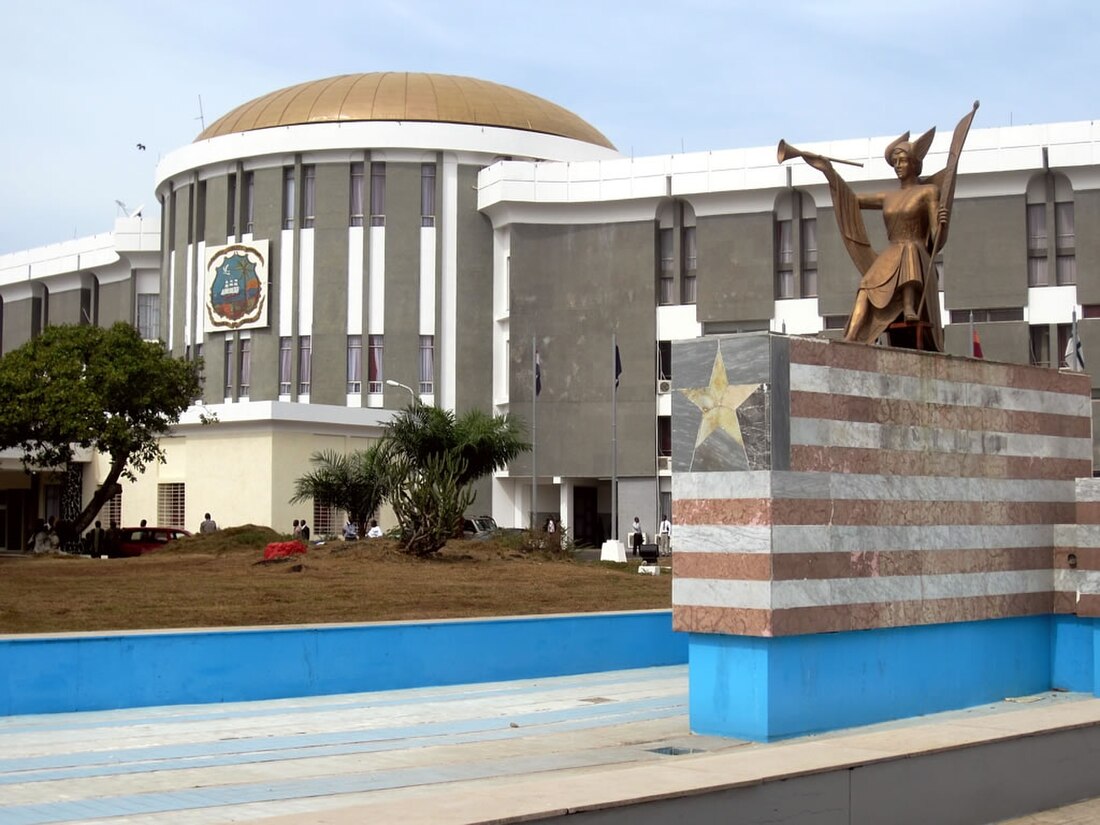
(137, 541)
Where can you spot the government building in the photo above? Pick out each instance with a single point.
(338, 249)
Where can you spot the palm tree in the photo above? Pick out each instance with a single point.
(433, 458)
(356, 483)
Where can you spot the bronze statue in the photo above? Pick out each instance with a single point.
(898, 292)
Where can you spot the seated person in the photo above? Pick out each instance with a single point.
(351, 531)
(375, 532)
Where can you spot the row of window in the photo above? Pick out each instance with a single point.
(307, 204)
(238, 365)
(666, 269)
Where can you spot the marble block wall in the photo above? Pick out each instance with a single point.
(1077, 556)
(821, 486)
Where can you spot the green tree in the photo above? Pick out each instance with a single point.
(356, 483)
(90, 387)
(433, 458)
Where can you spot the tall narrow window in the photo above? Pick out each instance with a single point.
(375, 375)
(1040, 345)
(171, 504)
(1065, 260)
(809, 258)
(355, 210)
(666, 265)
(664, 360)
(309, 195)
(249, 201)
(246, 367)
(664, 435)
(148, 315)
(355, 363)
(691, 257)
(288, 197)
(284, 365)
(427, 194)
(1037, 244)
(427, 364)
(305, 363)
(784, 260)
(231, 205)
(377, 194)
(229, 367)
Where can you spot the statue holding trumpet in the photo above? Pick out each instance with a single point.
(898, 291)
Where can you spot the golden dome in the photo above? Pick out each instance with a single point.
(405, 96)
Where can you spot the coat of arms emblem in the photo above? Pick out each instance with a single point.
(236, 291)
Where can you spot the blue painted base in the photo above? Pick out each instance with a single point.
(773, 688)
(50, 674)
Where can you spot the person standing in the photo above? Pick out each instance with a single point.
(208, 525)
(304, 534)
(636, 536)
(664, 536)
(297, 529)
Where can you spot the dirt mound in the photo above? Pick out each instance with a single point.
(248, 538)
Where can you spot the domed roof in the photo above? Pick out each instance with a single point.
(405, 96)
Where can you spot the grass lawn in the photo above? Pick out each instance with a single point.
(222, 580)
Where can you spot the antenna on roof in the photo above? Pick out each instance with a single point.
(201, 118)
(122, 208)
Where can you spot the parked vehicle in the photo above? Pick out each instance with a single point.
(137, 541)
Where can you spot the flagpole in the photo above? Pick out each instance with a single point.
(1076, 344)
(614, 448)
(971, 333)
(534, 439)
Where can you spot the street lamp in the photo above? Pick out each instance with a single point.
(412, 395)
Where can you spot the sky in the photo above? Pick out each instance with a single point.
(85, 82)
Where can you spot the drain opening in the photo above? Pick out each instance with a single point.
(670, 751)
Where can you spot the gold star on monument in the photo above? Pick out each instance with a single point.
(719, 402)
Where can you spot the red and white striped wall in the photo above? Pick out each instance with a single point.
(916, 488)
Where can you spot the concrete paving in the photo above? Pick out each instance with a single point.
(476, 753)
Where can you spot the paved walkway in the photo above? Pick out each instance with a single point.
(451, 754)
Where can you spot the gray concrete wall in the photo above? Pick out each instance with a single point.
(985, 261)
(967, 786)
(573, 286)
(401, 353)
(474, 300)
(330, 285)
(736, 277)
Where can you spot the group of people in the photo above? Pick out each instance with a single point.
(351, 530)
(664, 536)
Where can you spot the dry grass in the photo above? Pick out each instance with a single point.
(221, 580)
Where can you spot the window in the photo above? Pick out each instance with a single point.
(375, 376)
(427, 194)
(427, 364)
(664, 360)
(284, 365)
(666, 266)
(309, 196)
(288, 198)
(809, 258)
(784, 260)
(305, 362)
(664, 435)
(111, 512)
(229, 367)
(355, 210)
(1040, 346)
(249, 201)
(1065, 261)
(687, 277)
(231, 205)
(148, 315)
(1037, 244)
(377, 194)
(246, 367)
(171, 505)
(327, 520)
(355, 363)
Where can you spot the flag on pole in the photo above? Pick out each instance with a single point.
(618, 366)
(1075, 361)
(538, 373)
(976, 346)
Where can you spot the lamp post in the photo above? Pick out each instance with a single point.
(412, 395)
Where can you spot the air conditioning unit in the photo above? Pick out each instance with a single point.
(664, 464)
(664, 386)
